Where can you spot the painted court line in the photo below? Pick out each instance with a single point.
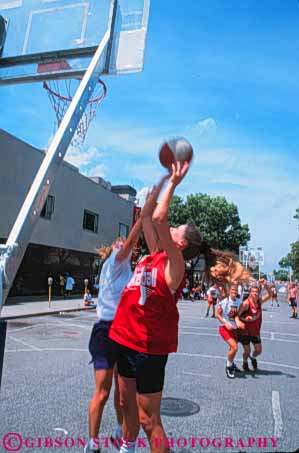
(197, 374)
(207, 356)
(33, 348)
(185, 326)
(278, 423)
(281, 340)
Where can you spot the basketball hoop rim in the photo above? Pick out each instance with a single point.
(69, 98)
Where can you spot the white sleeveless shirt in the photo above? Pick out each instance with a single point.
(113, 279)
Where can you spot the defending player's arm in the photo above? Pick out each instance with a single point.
(149, 230)
(130, 241)
(175, 266)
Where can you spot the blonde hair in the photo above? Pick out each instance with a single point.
(106, 250)
(233, 273)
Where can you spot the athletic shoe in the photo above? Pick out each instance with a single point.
(213, 316)
(253, 362)
(237, 370)
(88, 450)
(245, 366)
(230, 372)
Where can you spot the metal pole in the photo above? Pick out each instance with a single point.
(3, 326)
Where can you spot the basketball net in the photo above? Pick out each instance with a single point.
(61, 93)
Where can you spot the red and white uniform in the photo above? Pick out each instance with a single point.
(253, 328)
(147, 316)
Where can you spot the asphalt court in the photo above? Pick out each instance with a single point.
(47, 384)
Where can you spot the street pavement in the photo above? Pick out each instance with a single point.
(47, 384)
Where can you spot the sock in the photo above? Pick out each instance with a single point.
(127, 446)
(94, 444)
(253, 356)
(245, 360)
(118, 432)
(228, 363)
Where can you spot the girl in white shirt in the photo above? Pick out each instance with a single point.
(115, 274)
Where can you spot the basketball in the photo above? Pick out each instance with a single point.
(174, 150)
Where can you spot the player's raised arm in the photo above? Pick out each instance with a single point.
(130, 242)
(149, 230)
(171, 241)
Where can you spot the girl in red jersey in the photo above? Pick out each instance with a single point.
(250, 313)
(146, 322)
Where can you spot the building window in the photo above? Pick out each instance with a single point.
(123, 230)
(90, 221)
(48, 208)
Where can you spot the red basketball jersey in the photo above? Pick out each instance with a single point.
(253, 328)
(147, 316)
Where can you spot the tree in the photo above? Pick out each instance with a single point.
(281, 275)
(292, 260)
(285, 262)
(216, 218)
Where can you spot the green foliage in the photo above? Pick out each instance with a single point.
(285, 262)
(281, 275)
(292, 260)
(217, 219)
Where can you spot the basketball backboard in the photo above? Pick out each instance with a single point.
(52, 39)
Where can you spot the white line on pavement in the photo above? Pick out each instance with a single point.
(184, 354)
(197, 374)
(185, 326)
(207, 356)
(33, 348)
(216, 335)
(47, 350)
(278, 424)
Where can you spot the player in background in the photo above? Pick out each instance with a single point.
(213, 295)
(226, 314)
(293, 298)
(274, 295)
(250, 313)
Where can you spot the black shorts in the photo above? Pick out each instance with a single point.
(147, 369)
(104, 352)
(293, 301)
(247, 339)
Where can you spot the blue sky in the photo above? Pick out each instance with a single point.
(222, 73)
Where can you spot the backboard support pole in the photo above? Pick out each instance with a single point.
(3, 326)
(13, 251)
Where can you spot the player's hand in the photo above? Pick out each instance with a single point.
(179, 171)
(240, 324)
(248, 318)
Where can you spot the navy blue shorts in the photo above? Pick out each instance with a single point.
(293, 301)
(104, 352)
